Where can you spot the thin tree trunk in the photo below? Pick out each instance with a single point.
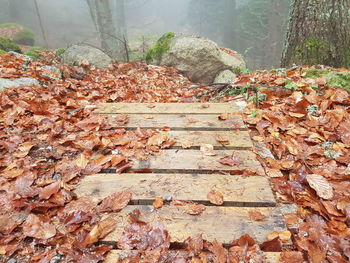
(319, 33)
(230, 33)
(41, 23)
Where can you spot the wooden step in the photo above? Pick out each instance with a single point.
(115, 254)
(179, 122)
(194, 160)
(169, 108)
(237, 190)
(223, 224)
(236, 139)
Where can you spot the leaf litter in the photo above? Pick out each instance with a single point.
(56, 138)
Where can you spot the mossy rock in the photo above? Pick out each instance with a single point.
(315, 73)
(2, 51)
(24, 37)
(160, 47)
(339, 80)
(33, 54)
(8, 45)
(60, 51)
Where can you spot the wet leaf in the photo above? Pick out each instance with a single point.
(232, 160)
(115, 202)
(195, 209)
(215, 197)
(255, 215)
(158, 202)
(320, 185)
(35, 227)
(100, 230)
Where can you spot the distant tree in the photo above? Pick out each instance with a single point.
(111, 38)
(319, 33)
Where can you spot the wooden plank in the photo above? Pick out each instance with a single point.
(170, 108)
(235, 189)
(116, 254)
(221, 223)
(195, 160)
(236, 139)
(179, 121)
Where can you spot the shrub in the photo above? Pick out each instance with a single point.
(2, 51)
(60, 51)
(24, 37)
(8, 45)
(33, 54)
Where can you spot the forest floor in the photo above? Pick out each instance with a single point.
(50, 137)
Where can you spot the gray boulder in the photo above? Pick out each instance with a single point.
(82, 55)
(225, 77)
(200, 59)
(6, 83)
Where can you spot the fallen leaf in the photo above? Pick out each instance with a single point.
(187, 144)
(274, 245)
(320, 184)
(35, 227)
(47, 191)
(215, 197)
(149, 117)
(158, 202)
(115, 202)
(223, 116)
(291, 219)
(208, 149)
(100, 230)
(24, 149)
(232, 160)
(223, 139)
(283, 235)
(82, 161)
(157, 139)
(195, 209)
(256, 215)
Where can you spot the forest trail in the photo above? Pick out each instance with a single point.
(188, 171)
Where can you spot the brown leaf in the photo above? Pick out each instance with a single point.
(291, 219)
(274, 245)
(157, 139)
(208, 149)
(223, 139)
(158, 202)
(320, 184)
(47, 191)
(291, 257)
(195, 209)
(100, 230)
(283, 235)
(232, 160)
(35, 227)
(115, 202)
(215, 197)
(256, 215)
(82, 161)
(24, 149)
(223, 116)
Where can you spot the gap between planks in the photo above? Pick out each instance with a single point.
(170, 108)
(237, 190)
(221, 223)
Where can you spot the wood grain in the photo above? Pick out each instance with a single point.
(169, 108)
(221, 223)
(235, 189)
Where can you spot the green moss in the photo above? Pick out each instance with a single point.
(24, 37)
(33, 54)
(161, 46)
(38, 49)
(7, 25)
(2, 51)
(339, 80)
(8, 45)
(60, 51)
(315, 73)
(312, 52)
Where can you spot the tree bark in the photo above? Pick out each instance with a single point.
(102, 17)
(319, 33)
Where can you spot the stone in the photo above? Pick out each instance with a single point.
(83, 54)
(6, 83)
(225, 76)
(51, 72)
(199, 59)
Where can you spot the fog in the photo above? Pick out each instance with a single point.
(251, 27)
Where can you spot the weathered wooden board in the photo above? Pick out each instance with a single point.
(116, 254)
(195, 160)
(254, 190)
(179, 121)
(170, 108)
(236, 139)
(221, 223)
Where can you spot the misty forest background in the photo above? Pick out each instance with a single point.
(254, 28)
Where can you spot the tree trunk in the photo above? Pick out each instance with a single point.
(319, 33)
(120, 19)
(102, 17)
(230, 33)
